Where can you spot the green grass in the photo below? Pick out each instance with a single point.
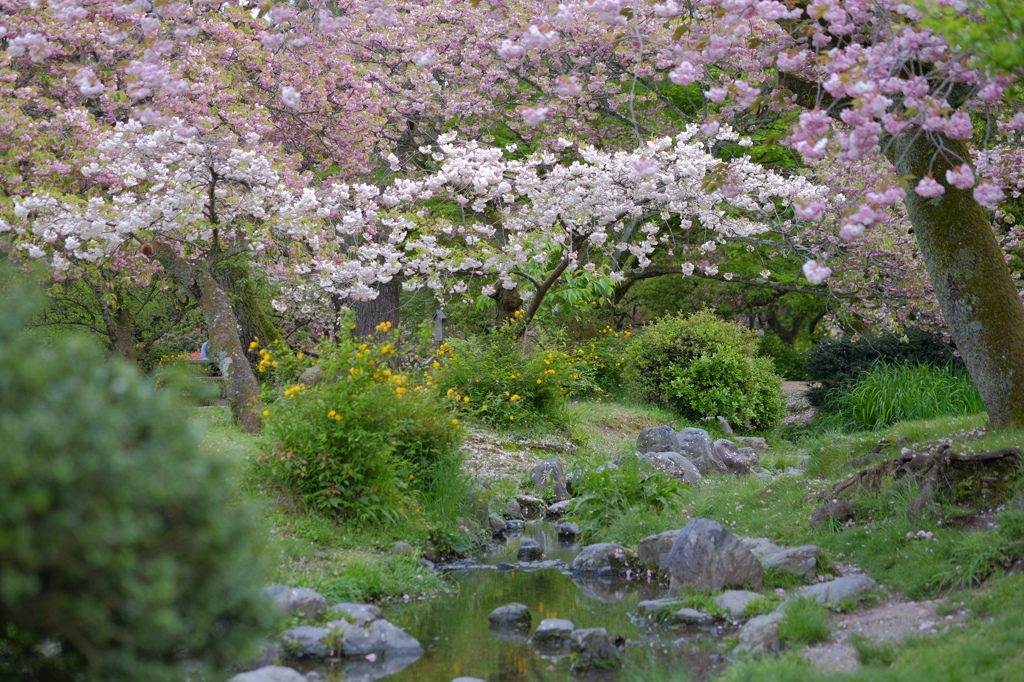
(805, 622)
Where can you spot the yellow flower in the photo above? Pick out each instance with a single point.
(253, 345)
(266, 413)
(512, 417)
(450, 391)
(299, 356)
(515, 397)
(435, 364)
(540, 381)
(274, 363)
(331, 413)
(337, 417)
(466, 399)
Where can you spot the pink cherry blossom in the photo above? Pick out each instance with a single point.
(988, 194)
(815, 272)
(927, 187)
(961, 177)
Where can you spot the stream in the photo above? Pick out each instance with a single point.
(453, 628)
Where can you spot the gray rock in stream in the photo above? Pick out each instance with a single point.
(801, 561)
(760, 634)
(498, 524)
(531, 507)
(568, 530)
(305, 642)
(653, 550)
(514, 616)
(553, 632)
(515, 526)
(379, 637)
(530, 550)
(558, 509)
(603, 558)
(593, 650)
(308, 603)
(706, 556)
(270, 673)
(549, 476)
(360, 614)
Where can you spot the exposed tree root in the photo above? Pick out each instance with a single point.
(954, 477)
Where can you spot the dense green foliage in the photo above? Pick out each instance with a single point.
(605, 494)
(887, 394)
(700, 366)
(497, 380)
(365, 440)
(838, 363)
(119, 539)
(805, 622)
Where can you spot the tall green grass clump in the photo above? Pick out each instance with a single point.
(700, 366)
(123, 550)
(891, 393)
(367, 441)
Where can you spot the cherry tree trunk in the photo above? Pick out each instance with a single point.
(225, 348)
(972, 281)
(384, 308)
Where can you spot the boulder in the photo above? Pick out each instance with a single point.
(270, 673)
(735, 601)
(603, 558)
(379, 637)
(696, 445)
(531, 507)
(311, 376)
(653, 550)
(514, 616)
(553, 632)
(673, 464)
(760, 634)
(530, 550)
(309, 604)
(688, 616)
(733, 459)
(549, 476)
(651, 607)
(513, 510)
(758, 445)
(657, 439)
(705, 556)
(840, 510)
(568, 530)
(401, 547)
(515, 526)
(848, 587)
(558, 509)
(360, 614)
(305, 641)
(593, 650)
(801, 561)
(761, 547)
(497, 524)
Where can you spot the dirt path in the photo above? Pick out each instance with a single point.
(889, 623)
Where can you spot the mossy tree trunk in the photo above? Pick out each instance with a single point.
(225, 348)
(972, 282)
(249, 301)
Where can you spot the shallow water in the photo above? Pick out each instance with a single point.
(453, 628)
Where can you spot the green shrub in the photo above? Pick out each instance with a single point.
(363, 441)
(805, 621)
(887, 394)
(837, 364)
(119, 539)
(599, 362)
(603, 496)
(700, 366)
(497, 380)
